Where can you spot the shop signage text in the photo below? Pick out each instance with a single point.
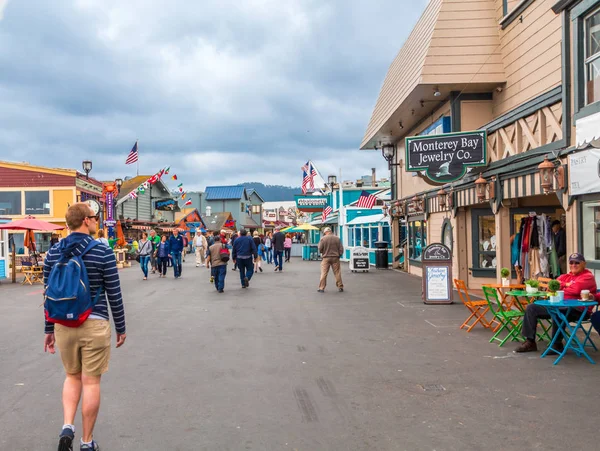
(445, 158)
(165, 204)
(110, 200)
(584, 172)
(311, 203)
(359, 259)
(437, 274)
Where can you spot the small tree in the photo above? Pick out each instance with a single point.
(505, 272)
(553, 287)
(532, 283)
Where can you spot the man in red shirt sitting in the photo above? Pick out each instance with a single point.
(577, 279)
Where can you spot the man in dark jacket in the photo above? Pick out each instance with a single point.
(175, 248)
(560, 243)
(277, 242)
(244, 249)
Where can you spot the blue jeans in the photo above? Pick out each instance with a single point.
(269, 255)
(162, 265)
(219, 273)
(246, 268)
(144, 259)
(176, 256)
(279, 259)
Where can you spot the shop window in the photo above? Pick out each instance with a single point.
(357, 236)
(417, 239)
(509, 5)
(10, 203)
(37, 202)
(19, 240)
(374, 234)
(387, 234)
(447, 237)
(590, 212)
(592, 57)
(42, 241)
(484, 243)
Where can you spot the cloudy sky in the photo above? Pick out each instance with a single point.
(223, 91)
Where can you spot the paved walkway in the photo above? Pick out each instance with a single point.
(282, 367)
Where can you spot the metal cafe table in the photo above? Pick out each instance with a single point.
(520, 299)
(564, 327)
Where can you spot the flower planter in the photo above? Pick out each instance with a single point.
(505, 282)
(530, 289)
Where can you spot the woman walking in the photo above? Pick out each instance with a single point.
(287, 247)
(162, 256)
(269, 248)
(145, 251)
(260, 247)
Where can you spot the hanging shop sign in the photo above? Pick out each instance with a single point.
(584, 172)
(311, 203)
(437, 274)
(165, 204)
(445, 158)
(110, 206)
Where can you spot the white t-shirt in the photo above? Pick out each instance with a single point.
(201, 241)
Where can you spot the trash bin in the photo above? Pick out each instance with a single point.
(381, 255)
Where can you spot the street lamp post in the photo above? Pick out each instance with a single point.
(87, 168)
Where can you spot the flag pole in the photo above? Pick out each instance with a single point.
(138, 158)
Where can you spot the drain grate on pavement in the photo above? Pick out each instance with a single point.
(432, 387)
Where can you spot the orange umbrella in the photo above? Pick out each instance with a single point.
(30, 240)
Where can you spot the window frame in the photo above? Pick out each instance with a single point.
(21, 203)
(579, 16)
(36, 213)
(423, 229)
(476, 270)
(590, 264)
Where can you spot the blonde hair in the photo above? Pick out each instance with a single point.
(76, 214)
(101, 233)
(255, 233)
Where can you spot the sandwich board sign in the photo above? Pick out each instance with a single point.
(359, 259)
(437, 274)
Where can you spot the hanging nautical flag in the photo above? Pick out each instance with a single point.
(146, 184)
(189, 202)
(183, 195)
(141, 189)
(326, 212)
(133, 195)
(180, 186)
(167, 170)
(152, 180)
(366, 200)
(174, 176)
(133, 155)
(160, 173)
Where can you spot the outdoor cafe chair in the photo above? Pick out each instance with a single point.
(478, 309)
(510, 320)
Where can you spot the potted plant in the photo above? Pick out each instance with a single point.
(505, 274)
(553, 287)
(531, 286)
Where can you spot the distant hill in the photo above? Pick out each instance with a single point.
(273, 193)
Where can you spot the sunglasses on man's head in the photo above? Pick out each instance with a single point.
(574, 263)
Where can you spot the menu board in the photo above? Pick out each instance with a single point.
(437, 283)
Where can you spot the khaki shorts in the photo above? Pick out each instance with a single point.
(85, 348)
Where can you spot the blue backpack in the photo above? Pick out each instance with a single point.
(67, 299)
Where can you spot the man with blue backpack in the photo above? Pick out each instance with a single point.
(80, 273)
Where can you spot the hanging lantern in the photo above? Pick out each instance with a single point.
(441, 195)
(546, 172)
(480, 186)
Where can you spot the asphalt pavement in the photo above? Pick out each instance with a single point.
(279, 366)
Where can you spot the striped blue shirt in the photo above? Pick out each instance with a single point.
(102, 273)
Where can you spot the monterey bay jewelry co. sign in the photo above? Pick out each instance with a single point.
(445, 158)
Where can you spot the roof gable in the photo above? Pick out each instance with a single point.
(225, 193)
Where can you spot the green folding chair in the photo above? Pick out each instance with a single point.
(510, 320)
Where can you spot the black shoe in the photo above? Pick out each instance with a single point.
(260, 269)
(246, 282)
(340, 290)
(65, 440)
(221, 291)
(320, 291)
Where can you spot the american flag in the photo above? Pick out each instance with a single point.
(366, 200)
(308, 177)
(326, 212)
(133, 155)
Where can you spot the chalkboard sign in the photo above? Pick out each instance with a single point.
(437, 274)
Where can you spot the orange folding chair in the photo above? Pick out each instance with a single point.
(478, 309)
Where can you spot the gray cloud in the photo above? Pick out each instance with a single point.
(222, 91)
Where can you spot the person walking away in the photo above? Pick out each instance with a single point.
(560, 243)
(185, 246)
(287, 246)
(268, 249)
(175, 249)
(243, 251)
(331, 250)
(201, 248)
(218, 267)
(84, 350)
(101, 238)
(234, 236)
(155, 240)
(145, 253)
(260, 247)
(162, 256)
(278, 240)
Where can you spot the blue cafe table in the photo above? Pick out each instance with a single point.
(564, 327)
